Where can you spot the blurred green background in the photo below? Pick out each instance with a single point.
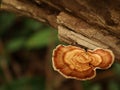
(25, 59)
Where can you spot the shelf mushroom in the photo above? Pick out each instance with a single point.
(76, 63)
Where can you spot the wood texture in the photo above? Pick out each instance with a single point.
(74, 31)
(87, 23)
(31, 9)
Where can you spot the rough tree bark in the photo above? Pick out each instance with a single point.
(87, 23)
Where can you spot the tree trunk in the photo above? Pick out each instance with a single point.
(87, 23)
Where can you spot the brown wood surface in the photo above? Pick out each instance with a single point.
(87, 23)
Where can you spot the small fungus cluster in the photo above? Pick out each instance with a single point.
(76, 63)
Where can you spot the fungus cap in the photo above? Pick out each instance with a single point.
(76, 63)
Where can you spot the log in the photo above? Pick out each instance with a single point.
(32, 10)
(76, 32)
(86, 23)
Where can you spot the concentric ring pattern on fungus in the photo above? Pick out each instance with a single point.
(76, 63)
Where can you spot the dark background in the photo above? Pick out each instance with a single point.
(25, 59)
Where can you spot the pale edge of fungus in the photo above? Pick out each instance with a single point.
(111, 53)
(70, 77)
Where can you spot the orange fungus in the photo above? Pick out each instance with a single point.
(76, 63)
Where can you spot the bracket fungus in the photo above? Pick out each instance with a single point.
(76, 63)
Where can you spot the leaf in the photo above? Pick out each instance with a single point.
(15, 44)
(31, 24)
(39, 39)
(28, 27)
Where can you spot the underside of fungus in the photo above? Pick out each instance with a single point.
(76, 63)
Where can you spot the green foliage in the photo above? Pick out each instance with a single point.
(91, 86)
(15, 44)
(39, 39)
(35, 83)
(95, 87)
(1, 73)
(28, 27)
(116, 68)
(113, 85)
(27, 34)
(32, 35)
(30, 24)
(6, 20)
(86, 85)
